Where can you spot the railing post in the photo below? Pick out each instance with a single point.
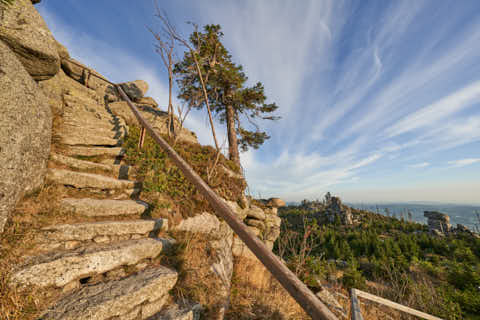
(355, 306)
(142, 138)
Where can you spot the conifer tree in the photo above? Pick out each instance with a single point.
(231, 101)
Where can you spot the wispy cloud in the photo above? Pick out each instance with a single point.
(366, 90)
(420, 165)
(463, 162)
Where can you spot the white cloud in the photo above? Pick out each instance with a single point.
(463, 162)
(439, 110)
(420, 165)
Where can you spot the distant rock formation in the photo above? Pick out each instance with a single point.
(334, 208)
(438, 222)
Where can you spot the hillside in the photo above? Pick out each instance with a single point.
(333, 245)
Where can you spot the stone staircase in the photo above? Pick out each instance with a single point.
(105, 268)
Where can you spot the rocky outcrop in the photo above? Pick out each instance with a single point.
(136, 297)
(157, 118)
(25, 126)
(102, 208)
(437, 221)
(62, 268)
(264, 223)
(336, 210)
(135, 90)
(70, 236)
(26, 33)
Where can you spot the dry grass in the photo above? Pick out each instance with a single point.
(257, 295)
(192, 257)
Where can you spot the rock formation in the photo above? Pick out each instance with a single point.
(27, 35)
(336, 210)
(438, 222)
(25, 126)
(265, 224)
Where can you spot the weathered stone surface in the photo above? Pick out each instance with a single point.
(59, 269)
(203, 223)
(241, 213)
(25, 32)
(255, 212)
(157, 118)
(271, 234)
(276, 202)
(149, 101)
(135, 90)
(53, 89)
(255, 230)
(89, 231)
(255, 223)
(73, 70)
(88, 139)
(273, 221)
(86, 180)
(176, 312)
(62, 51)
(137, 296)
(120, 171)
(438, 221)
(335, 209)
(25, 133)
(95, 151)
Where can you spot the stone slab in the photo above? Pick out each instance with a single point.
(117, 299)
(60, 269)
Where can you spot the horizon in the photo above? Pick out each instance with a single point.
(379, 101)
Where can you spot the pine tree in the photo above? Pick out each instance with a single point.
(230, 100)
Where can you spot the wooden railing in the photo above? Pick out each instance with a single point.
(357, 315)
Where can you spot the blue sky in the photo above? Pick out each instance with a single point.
(380, 100)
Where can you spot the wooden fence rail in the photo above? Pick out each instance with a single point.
(297, 289)
(362, 294)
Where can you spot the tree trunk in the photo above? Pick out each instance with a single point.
(232, 136)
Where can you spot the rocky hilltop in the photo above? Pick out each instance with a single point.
(82, 237)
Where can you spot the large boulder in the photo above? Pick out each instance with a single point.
(26, 33)
(135, 90)
(155, 117)
(25, 126)
(62, 51)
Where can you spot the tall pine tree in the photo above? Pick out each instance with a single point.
(233, 102)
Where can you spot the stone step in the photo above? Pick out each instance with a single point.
(102, 208)
(176, 312)
(87, 138)
(95, 151)
(121, 171)
(104, 131)
(70, 236)
(136, 297)
(65, 268)
(83, 180)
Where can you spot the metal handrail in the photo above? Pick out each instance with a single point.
(297, 289)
